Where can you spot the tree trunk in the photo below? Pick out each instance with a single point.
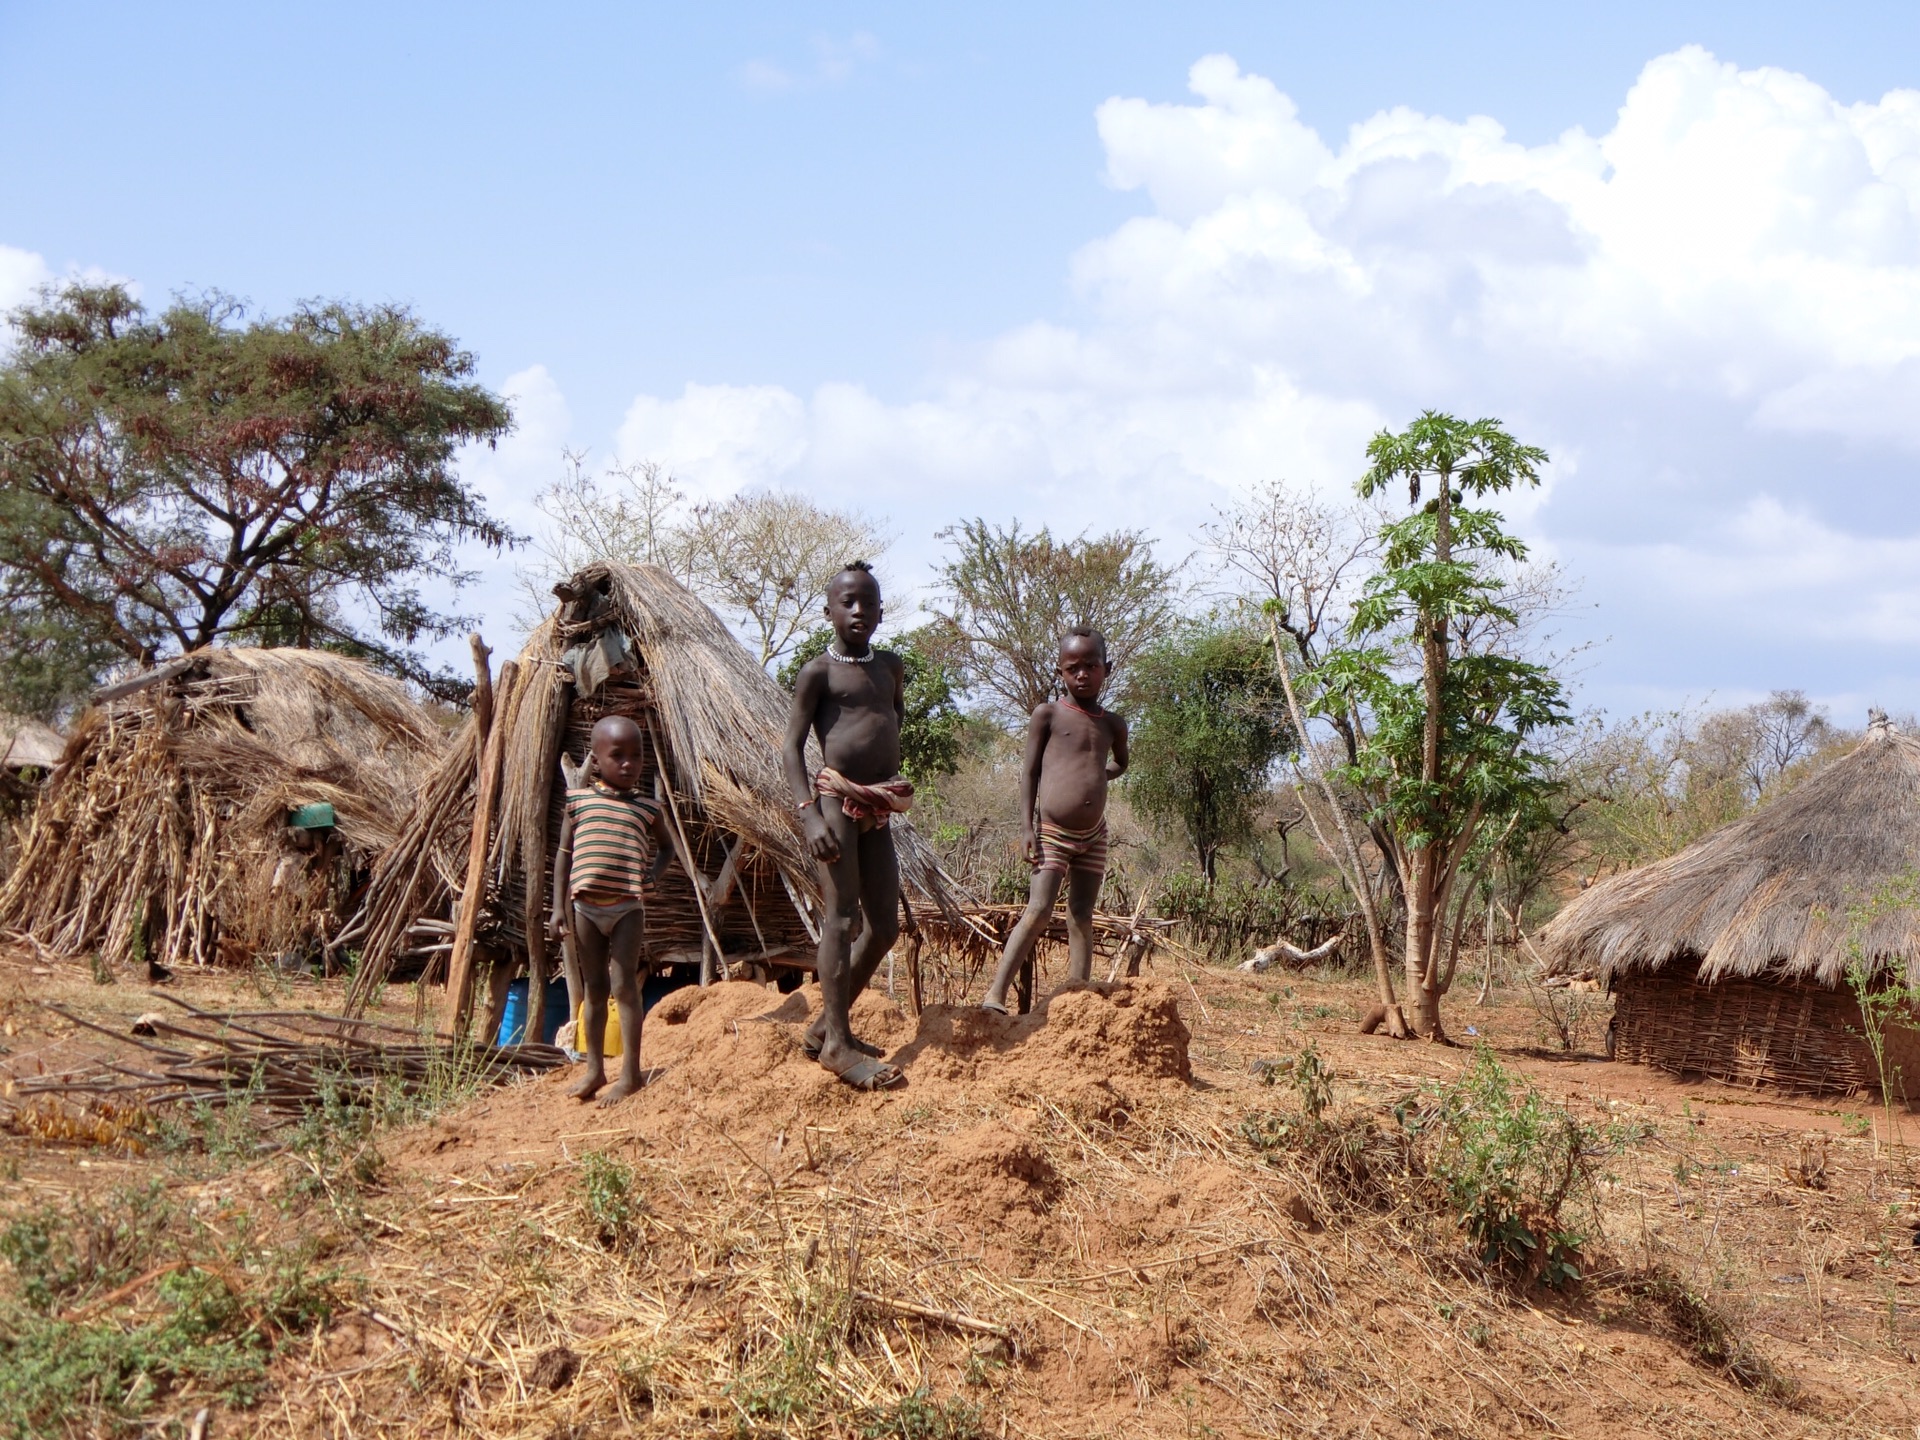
(1422, 897)
(1387, 1013)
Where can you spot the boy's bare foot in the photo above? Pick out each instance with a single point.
(589, 1085)
(995, 1007)
(617, 1092)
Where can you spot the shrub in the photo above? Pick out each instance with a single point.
(609, 1199)
(1508, 1162)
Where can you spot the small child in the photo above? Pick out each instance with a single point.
(600, 877)
(1063, 808)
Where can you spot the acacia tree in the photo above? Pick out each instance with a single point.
(1444, 724)
(1208, 723)
(1009, 596)
(200, 476)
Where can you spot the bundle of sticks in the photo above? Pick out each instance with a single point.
(281, 1062)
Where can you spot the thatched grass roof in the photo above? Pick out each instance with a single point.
(1829, 870)
(721, 721)
(28, 743)
(163, 831)
(726, 720)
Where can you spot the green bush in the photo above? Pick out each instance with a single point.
(1509, 1162)
(207, 1326)
(610, 1199)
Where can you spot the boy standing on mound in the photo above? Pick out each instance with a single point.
(613, 846)
(853, 698)
(1074, 747)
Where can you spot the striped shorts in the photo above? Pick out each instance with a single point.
(1063, 850)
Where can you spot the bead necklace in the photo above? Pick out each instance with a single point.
(833, 654)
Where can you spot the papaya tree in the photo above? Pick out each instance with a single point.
(1446, 715)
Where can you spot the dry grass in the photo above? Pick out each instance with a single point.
(746, 1250)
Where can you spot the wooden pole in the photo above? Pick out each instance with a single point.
(717, 956)
(912, 927)
(456, 1010)
(559, 698)
(482, 688)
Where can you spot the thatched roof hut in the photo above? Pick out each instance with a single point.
(1731, 958)
(165, 832)
(28, 744)
(624, 640)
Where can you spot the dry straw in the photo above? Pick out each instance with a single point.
(162, 835)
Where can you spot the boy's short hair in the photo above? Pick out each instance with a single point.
(858, 567)
(1087, 632)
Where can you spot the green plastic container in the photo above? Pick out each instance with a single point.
(318, 816)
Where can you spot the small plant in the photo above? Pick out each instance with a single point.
(610, 1200)
(198, 1311)
(789, 1379)
(1508, 1161)
(1309, 1076)
(1855, 1126)
(1707, 1334)
(917, 1417)
(1880, 985)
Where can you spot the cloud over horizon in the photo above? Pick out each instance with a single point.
(1710, 315)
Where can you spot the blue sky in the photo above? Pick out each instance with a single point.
(1031, 260)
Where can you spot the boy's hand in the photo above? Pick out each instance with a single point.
(557, 925)
(1030, 847)
(819, 838)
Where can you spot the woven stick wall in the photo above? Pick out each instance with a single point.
(1793, 1036)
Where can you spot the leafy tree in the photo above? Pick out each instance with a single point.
(170, 482)
(1010, 595)
(1447, 715)
(934, 732)
(1208, 722)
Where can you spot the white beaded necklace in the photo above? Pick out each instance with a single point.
(833, 654)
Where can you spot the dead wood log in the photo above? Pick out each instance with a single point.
(1280, 950)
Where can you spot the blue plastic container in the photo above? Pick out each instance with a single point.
(513, 1020)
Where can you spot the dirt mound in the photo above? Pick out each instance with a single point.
(993, 1170)
(730, 1056)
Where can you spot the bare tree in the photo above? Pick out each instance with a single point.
(1307, 557)
(1009, 595)
(1755, 746)
(630, 513)
(765, 559)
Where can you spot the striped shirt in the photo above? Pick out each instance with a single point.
(612, 843)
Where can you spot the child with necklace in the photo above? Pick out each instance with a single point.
(852, 698)
(1075, 746)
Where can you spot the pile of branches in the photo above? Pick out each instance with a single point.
(281, 1063)
(971, 942)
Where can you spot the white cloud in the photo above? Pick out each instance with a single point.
(1710, 314)
(21, 273)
